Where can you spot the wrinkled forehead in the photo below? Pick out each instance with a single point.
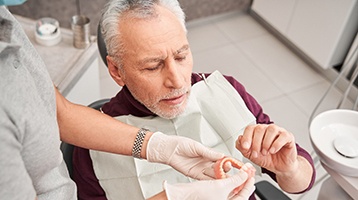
(162, 26)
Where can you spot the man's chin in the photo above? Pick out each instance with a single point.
(172, 114)
(172, 111)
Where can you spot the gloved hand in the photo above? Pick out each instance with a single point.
(183, 154)
(220, 189)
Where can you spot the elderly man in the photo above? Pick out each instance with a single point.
(149, 55)
(34, 115)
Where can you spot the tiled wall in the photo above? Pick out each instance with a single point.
(62, 10)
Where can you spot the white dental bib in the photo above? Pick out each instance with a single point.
(215, 116)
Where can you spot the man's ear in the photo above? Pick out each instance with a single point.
(114, 71)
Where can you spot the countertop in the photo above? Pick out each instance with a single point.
(64, 62)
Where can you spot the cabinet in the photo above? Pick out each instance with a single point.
(87, 88)
(73, 71)
(322, 29)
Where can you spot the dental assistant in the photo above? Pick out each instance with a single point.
(34, 116)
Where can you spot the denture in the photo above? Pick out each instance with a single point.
(220, 173)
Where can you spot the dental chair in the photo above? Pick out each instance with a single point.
(264, 189)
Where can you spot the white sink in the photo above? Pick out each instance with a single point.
(334, 136)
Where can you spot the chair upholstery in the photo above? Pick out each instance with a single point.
(101, 45)
(98, 104)
(267, 191)
(67, 150)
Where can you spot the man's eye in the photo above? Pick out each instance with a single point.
(180, 58)
(155, 67)
(152, 69)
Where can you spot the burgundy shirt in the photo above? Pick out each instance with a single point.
(124, 104)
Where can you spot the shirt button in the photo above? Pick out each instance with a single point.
(16, 63)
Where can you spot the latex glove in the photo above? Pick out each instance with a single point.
(219, 189)
(183, 154)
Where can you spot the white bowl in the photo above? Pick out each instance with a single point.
(327, 132)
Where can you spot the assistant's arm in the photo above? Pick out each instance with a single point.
(15, 181)
(160, 196)
(85, 127)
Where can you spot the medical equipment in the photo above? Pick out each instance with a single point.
(348, 99)
(334, 137)
(47, 32)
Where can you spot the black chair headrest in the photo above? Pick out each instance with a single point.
(101, 45)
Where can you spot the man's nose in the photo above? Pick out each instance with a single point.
(174, 76)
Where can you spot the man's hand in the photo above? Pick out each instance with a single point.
(274, 148)
(183, 154)
(269, 146)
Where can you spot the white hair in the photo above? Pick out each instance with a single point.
(115, 10)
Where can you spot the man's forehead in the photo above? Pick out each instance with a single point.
(182, 49)
(159, 56)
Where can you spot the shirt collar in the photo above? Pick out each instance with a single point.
(124, 104)
(6, 28)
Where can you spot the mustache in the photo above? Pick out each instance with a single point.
(176, 93)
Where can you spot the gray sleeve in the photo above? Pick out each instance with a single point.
(15, 182)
